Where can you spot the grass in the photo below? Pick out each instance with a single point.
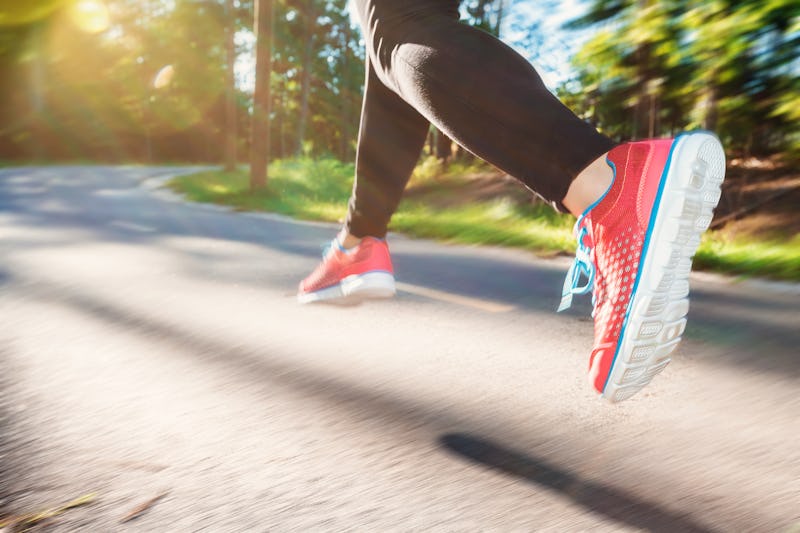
(497, 222)
(319, 190)
(305, 188)
(771, 259)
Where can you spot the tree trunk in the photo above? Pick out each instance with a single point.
(305, 80)
(499, 21)
(344, 97)
(259, 142)
(651, 129)
(37, 95)
(710, 111)
(230, 87)
(344, 132)
(642, 107)
(644, 56)
(279, 117)
(443, 146)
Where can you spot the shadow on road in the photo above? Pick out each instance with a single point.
(612, 503)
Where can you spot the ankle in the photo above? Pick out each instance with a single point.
(347, 240)
(589, 186)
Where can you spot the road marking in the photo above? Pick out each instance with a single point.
(132, 226)
(458, 299)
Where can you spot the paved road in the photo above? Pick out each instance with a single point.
(149, 345)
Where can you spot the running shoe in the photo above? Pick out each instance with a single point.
(364, 271)
(635, 250)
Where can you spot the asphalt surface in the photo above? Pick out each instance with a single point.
(150, 346)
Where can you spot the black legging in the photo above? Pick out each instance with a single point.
(424, 66)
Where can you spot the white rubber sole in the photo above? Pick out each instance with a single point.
(656, 318)
(353, 289)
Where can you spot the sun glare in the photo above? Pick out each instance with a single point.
(164, 77)
(90, 15)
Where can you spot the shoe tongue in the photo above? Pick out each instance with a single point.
(628, 161)
(617, 159)
(637, 170)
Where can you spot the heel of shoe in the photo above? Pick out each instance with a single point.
(372, 285)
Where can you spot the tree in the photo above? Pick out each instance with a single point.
(230, 87)
(318, 77)
(259, 144)
(655, 68)
(308, 17)
(486, 14)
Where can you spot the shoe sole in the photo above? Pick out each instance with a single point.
(354, 289)
(656, 318)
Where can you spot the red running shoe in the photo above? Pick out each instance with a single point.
(364, 271)
(635, 246)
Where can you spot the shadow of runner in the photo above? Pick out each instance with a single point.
(613, 503)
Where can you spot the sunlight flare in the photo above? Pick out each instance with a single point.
(90, 15)
(164, 77)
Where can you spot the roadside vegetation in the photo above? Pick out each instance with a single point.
(465, 204)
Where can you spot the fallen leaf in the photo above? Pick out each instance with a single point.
(139, 509)
(13, 522)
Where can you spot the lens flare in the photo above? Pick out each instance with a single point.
(164, 77)
(90, 15)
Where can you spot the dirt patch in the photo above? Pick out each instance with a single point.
(450, 191)
(760, 200)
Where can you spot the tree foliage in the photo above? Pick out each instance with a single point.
(146, 79)
(658, 67)
(150, 84)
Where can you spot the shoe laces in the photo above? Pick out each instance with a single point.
(580, 267)
(329, 247)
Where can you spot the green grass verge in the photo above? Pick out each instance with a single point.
(746, 257)
(308, 189)
(319, 190)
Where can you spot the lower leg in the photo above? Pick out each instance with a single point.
(588, 186)
(346, 239)
(390, 139)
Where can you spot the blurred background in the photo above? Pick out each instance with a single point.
(147, 80)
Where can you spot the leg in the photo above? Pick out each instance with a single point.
(390, 140)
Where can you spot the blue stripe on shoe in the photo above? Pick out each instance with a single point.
(645, 249)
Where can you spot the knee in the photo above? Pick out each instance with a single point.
(388, 24)
(393, 21)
